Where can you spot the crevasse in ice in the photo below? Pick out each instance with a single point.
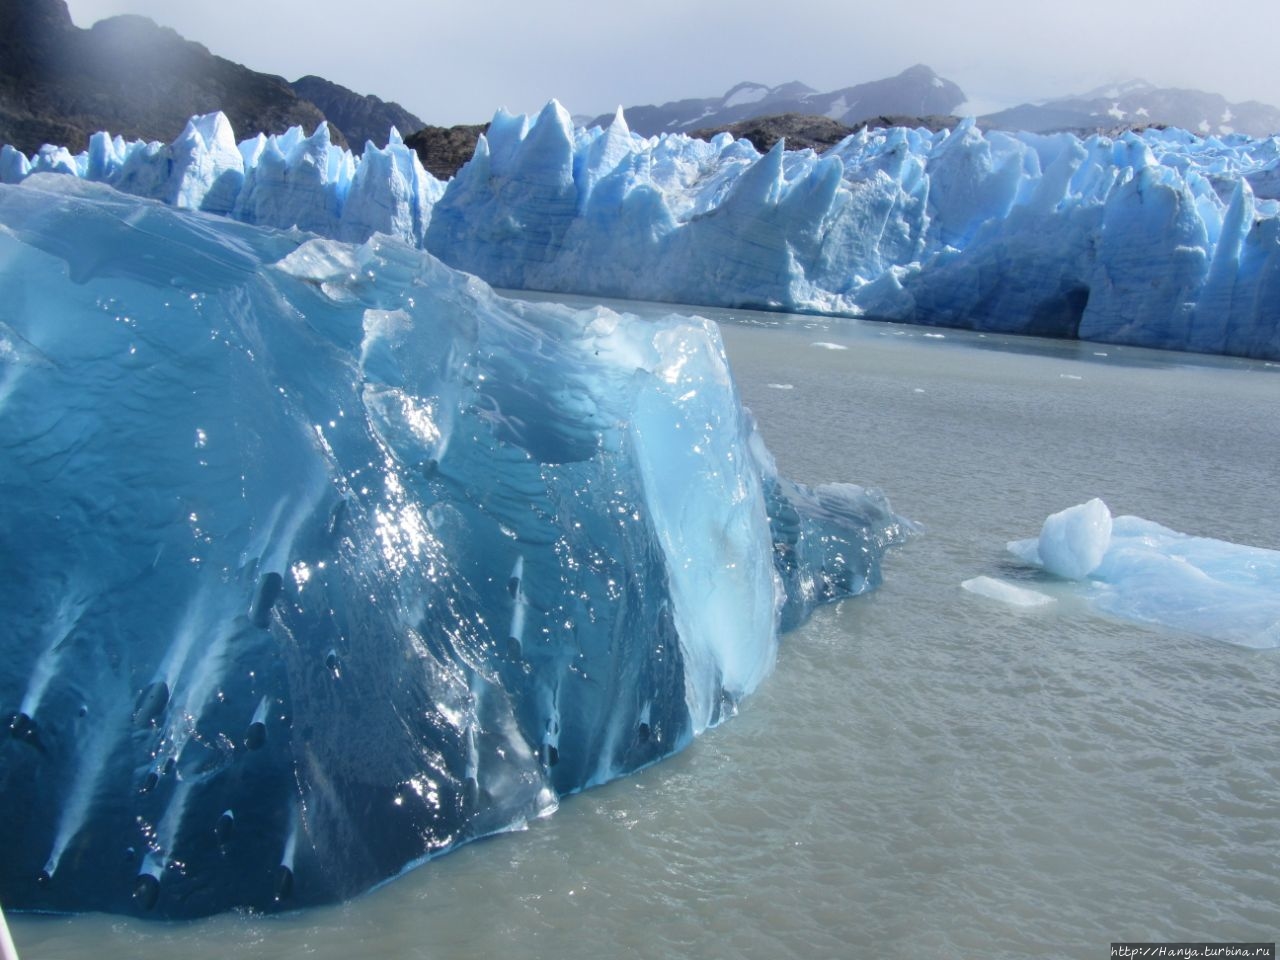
(1159, 238)
(320, 559)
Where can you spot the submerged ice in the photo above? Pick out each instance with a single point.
(1160, 238)
(1141, 571)
(321, 559)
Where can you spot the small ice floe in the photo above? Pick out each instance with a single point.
(1006, 592)
(917, 389)
(1141, 571)
(1072, 542)
(936, 336)
(825, 345)
(1069, 376)
(781, 386)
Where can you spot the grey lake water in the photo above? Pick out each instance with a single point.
(926, 773)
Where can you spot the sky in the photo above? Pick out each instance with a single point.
(458, 62)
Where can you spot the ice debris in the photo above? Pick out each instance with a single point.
(1005, 592)
(1139, 570)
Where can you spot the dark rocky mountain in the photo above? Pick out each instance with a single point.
(1139, 104)
(60, 83)
(361, 118)
(800, 131)
(915, 92)
(443, 150)
(817, 133)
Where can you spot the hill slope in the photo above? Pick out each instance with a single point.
(60, 83)
(361, 118)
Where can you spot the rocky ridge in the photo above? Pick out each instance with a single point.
(59, 83)
(361, 118)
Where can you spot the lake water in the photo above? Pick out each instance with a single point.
(927, 773)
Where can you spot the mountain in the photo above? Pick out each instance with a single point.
(815, 132)
(60, 83)
(917, 91)
(743, 101)
(1137, 103)
(443, 150)
(361, 118)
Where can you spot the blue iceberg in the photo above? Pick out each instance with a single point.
(1158, 239)
(321, 559)
(1138, 570)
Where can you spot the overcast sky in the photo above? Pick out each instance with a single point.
(457, 62)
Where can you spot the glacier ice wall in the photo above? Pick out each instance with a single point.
(1155, 239)
(320, 559)
(1158, 239)
(285, 180)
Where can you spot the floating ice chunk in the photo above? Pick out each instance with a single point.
(1007, 592)
(1212, 587)
(1151, 574)
(1072, 542)
(433, 558)
(824, 345)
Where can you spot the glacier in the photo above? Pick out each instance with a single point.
(1157, 239)
(285, 180)
(321, 558)
(1141, 571)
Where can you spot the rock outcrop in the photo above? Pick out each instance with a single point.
(361, 118)
(443, 150)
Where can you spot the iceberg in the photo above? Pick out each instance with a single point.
(1007, 593)
(1156, 239)
(1073, 542)
(322, 559)
(1141, 571)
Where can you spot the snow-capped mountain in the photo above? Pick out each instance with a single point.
(1138, 103)
(917, 91)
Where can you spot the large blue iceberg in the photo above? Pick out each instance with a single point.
(1160, 238)
(320, 559)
